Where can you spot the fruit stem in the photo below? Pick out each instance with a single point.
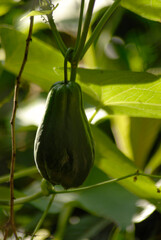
(73, 71)
(67, 58)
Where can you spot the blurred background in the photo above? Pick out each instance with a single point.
(127, 42)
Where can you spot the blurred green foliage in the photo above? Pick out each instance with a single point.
(120, 74)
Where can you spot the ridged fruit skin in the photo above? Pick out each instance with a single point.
(64, 147)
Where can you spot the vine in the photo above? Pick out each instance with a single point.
(11, 222)
(39, 194)
(43, 217)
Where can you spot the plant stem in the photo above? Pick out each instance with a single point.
(14, 110)
(43, 217)
(23, 173)
(107, 182)
(149, 175)
(62, 221)
(79, 25)
(23, 200)
(66, 59)
(28, 198)
(73, 71)
(57, 36)
(81, 38)
(73, 62)
(99, 26)
(40, 194)
(94, 114)
(96, 185)
(79, 49)
(65, 70)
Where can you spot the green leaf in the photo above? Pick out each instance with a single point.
(155, 161)
(5, 197)
(42, 204)
(135, 137)
(87, 227)
(6, 86)
(42, 59)
(143, 136)
(7, 1)
(41, 12)
(121, 130)
(125, 92)
(110, 201)
(116, 164)
(37, 13)
(117, 92)
(150, 9)
(5, 194)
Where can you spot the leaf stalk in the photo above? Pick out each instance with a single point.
(99, 26)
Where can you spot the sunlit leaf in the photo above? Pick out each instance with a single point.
(150, 9)
(41, 12)
(125, 92)
(42, 59)
(115, 164)
(117, 92)
(144, 133)
(135, 137)
(121, 130)
(37, 13)
(155, 161)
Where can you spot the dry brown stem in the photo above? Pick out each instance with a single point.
(11, 222)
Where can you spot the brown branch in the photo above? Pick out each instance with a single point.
(11, 222)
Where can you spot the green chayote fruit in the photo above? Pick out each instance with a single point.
(64, 148)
